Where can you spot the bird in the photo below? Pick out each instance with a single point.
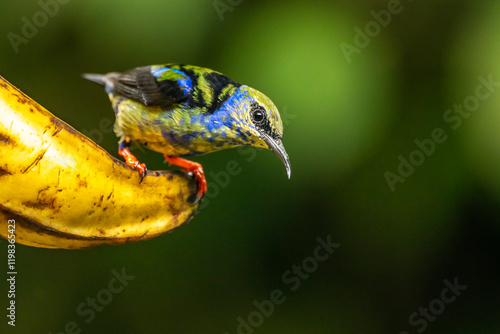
(185, 110)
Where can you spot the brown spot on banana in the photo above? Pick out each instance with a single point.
(52, 177)
(3, 172)
(37, 159)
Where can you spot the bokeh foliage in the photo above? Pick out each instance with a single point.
(347, 124)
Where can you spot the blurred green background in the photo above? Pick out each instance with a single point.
(348, 119)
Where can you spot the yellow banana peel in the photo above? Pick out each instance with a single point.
(64, 191)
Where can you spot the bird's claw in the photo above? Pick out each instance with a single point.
(197, 172)
(132, 161)
(143, 170)
(193, 168)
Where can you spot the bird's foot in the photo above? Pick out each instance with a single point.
(192, 167)
(131, 160)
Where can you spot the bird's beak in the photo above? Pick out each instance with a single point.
(277, 147)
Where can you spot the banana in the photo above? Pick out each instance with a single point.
(64, 191)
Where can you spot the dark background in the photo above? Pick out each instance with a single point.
(347, 121)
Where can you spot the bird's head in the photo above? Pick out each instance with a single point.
(258, 121)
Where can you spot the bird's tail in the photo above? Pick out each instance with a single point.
(106, 80)
(97, 78)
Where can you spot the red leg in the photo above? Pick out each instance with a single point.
(131, 160)
(194, 168)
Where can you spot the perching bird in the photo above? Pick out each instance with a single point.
(183, 110)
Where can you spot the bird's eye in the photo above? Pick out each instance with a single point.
(258, 114)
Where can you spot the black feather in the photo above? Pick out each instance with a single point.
(140, 85)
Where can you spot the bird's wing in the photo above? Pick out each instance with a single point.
(158, 86)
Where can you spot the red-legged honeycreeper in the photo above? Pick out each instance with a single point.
(184, 110)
